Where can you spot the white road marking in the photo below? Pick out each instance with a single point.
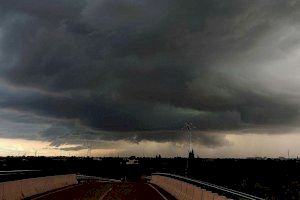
(158, 192)
(102, 197)
(55, 191)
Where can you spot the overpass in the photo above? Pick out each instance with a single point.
(161, 186)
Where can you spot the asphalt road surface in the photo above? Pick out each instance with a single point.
(109, 191)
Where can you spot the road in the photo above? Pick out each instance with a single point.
(109, 191)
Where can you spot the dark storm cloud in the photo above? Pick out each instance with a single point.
(76, 148)
(102, 114)
(129, 67)
(71, 133)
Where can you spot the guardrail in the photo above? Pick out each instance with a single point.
(222, 191)
(11, 175)
(84, 178)
(17, 174)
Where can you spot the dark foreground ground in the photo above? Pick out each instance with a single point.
(275, 179)
(107, 191)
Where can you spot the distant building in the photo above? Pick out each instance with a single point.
(190, 161)
(282, 158)
(132, 161)
(191, 154)
(97, 159)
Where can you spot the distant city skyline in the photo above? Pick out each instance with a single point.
(239, 146)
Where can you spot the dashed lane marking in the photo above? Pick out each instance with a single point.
(55, 191)
(158, 192)
(106, 193)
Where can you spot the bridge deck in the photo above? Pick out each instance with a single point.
(108, 191)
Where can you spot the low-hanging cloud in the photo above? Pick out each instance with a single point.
(138, 70)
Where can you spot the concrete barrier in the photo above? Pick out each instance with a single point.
(182, 190)
(16, 190)
(198, 193)
(12, 190)
(189, 192)
(1, 190)
(177, 189)
(220, 198)
(207, 195)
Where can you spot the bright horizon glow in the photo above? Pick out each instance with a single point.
(239, 146)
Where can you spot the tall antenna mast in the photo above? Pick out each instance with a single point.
(88, 147)
(188, 127)
(90, 150)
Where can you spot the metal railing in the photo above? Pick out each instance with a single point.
(229, 193)
(83, 178)
(10, 175)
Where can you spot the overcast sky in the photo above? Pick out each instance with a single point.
(124, 76)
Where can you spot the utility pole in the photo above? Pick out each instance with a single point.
(188, 127)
